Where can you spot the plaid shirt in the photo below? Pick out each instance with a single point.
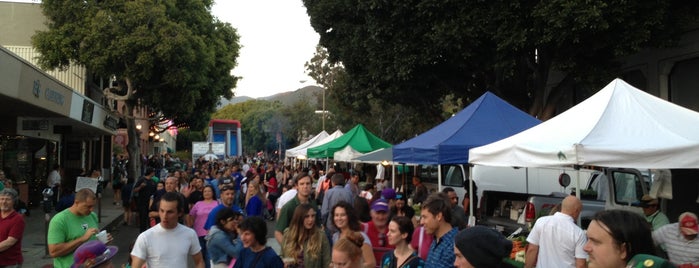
(442, 251)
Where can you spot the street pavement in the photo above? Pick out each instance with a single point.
(34, 247)
(111, 218)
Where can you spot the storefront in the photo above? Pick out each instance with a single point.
(43, 123)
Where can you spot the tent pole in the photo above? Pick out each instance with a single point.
(526, 179)
(393, 176)
(439, 178)
(471, 217)
(578, 191)
(403, 183)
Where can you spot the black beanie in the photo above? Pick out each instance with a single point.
(483, 247)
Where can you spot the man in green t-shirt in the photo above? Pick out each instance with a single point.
(72, 227)
(303, 185)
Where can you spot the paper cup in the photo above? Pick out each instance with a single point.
(102, 236)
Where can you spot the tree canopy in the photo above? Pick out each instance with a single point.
(419, 53)
(175, 54)
(263, 121)
(171, 56)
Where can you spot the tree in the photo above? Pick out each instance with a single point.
(387, 120)
(171, 56)
(185, 137)
(301, 122)
(416, 53)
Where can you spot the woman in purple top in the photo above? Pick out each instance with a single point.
(200, 213)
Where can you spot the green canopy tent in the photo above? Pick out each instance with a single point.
(359, 138)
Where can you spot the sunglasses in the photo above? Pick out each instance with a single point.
(227, 188)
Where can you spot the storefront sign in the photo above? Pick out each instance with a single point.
(35, 124)
(49, 94)
(111, 122)
(88, 110)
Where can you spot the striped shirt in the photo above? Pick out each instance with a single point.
(679, 250)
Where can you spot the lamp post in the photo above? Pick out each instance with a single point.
(323, 109)
(322, 112)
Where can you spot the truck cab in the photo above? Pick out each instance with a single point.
(623, 191)
(453, 175)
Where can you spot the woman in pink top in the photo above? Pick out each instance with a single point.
(200, 212)
(421, 242)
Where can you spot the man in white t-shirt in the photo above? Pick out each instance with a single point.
(246, 167)
(556, 241)
(167, 244)
(285, 197)
(54, 182)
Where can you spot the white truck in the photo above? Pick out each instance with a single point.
(505, 179)
(607, 189)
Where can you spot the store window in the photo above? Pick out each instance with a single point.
(26, 161)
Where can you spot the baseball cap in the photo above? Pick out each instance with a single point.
(93, 253)
(688, 223)
(647, 200)
(379, 205)
(388, 193)
(401, 196)
(648, 261)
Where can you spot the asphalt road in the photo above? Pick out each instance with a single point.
(124, 237)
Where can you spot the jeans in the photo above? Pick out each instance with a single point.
(204, 252)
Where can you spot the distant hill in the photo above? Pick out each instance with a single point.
(287, 98)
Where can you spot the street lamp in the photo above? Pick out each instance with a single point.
(323, 112)
(323, 109)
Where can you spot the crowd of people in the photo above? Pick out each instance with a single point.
(215, 214)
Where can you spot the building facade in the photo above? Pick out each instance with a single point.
(56, 117)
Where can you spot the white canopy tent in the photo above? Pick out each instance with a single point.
(377, 157)
(302, 152)
(346, 154)
(294, 152)
(620, 126)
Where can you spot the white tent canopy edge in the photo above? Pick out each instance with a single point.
(620, 126)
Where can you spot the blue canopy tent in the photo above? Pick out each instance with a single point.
(486, 120)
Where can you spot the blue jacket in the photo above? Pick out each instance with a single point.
(221, 245)
(255, 207)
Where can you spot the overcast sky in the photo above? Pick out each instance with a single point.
(276, 38)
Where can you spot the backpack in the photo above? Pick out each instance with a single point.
(134, 194)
